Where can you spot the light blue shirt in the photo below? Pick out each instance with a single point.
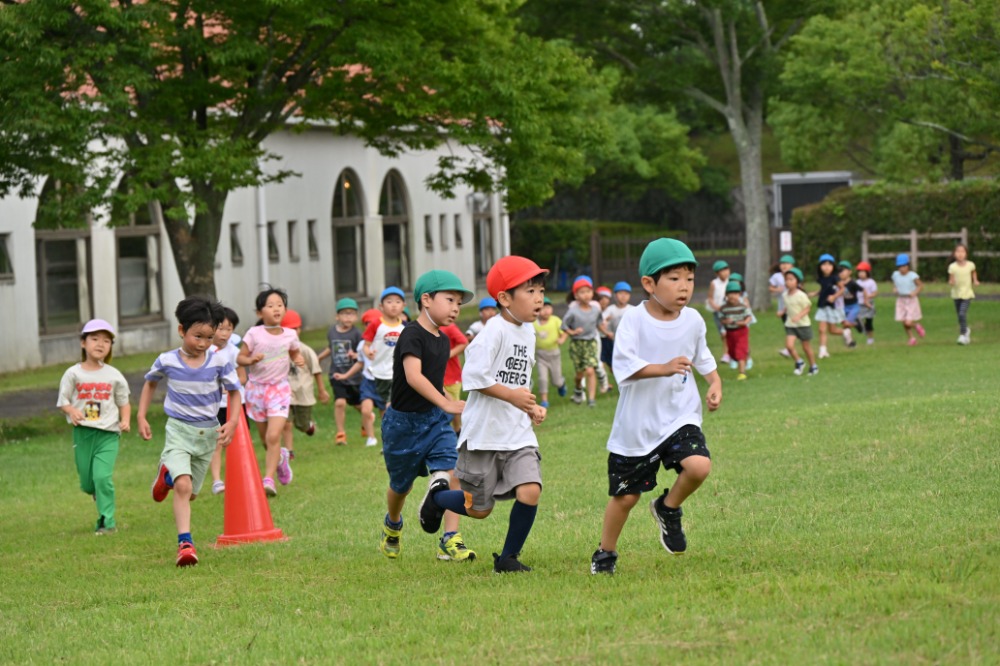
(905, 284)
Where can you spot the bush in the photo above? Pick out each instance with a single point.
(835, 225)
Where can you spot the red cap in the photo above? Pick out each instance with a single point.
(509, 272)
(291, 319)
(371, 315)
(864, 266)
(581, 283)
(604, 291)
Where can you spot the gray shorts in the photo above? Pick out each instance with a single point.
(830, 315)
(188, 450)
(804, 333)
(495, 475)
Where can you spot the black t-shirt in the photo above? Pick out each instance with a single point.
(342, 342)
(433, 352)
(827, 288)
(851, 293)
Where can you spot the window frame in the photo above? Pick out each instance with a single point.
(235, 258)
(6, 276)
(43, 236)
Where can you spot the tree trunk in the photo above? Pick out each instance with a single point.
(956, 155)
(194, 245)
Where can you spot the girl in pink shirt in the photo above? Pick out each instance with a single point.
(267, 352)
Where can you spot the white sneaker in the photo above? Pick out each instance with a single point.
(871, 341)
(785, 353)
(371, 441)
(823, 353)
(218, 487)
(963, 339)
(725, 358)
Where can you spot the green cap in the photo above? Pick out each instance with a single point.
(439, 280)
(797, 273)
(664, 253)
(736, 277)
(719, 265)
(787, 259)
(347, 304)
(845, 264)
(546, 301)
(733, 286)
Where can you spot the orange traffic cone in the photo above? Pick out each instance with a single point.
(247, 516)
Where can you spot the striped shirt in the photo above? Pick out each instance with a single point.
(193, 393)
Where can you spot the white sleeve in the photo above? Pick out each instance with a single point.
(66, 386)
(703, 360)
(626, 360)
(122, 391)
(479, 357)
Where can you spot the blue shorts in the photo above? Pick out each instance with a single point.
(851, 312)
(415, 442)
(607, 351)
(368, 392)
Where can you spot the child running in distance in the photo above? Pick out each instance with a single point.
(962, 277)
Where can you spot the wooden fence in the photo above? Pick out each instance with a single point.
(914, 238)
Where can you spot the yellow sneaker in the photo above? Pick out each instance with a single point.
(390, 541)
(740, 377)
(454, 549)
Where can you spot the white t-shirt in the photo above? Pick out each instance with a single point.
(613, 314)
(650, 410)
(778, 280)
(503, 353)
(718, 296)
(475, 328)
(231, 351)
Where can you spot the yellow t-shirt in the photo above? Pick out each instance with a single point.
(547, 334)
(794, 304)
(963, 280)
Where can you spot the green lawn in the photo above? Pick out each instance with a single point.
(851, 518)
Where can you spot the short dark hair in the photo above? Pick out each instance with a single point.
(231, 316)
(537, 281)
(266, 292)
(199, 310)
(666, 269)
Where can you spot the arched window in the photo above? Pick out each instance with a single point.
(393, 208)
(348, 221)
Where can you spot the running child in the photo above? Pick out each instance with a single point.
(962, 277)
(226, 344)
(194, 378)
(866, 299)
(797, 324)
(851, 297)
(745, 300)
(487, 310)
(342, 342)
(549, 336)
(267, 352)
(776, 285)
(581, 323)
(736, 318)
(453, 371)
(658, 417)
(604, 299)
(827, 314)
(94, 397)
(370, 399)
(612, 316)
(417, 437)
(380, 339)
(907, 286)
(304, 383)
(716, 297)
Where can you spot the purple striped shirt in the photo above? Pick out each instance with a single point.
(193, 393)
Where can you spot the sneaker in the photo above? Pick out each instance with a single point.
(591, 403)
(669, 521)
(218, 487)
(544, 403)
(852, 344)
(311, 430)
(103, 531)
(269, 488)
(291, 455)
(733, 365)
(725, 358)
(390, 546)
(284, 469)
(920, 330)
(509, 564)
(341, 438)
(823, 353)
(912, 342)
(577, 397)
(186, 555)
(785, 353)
(814, 370)
(799, 367)
(749, 363)
(603, 562)
(431, 513)
(454, 549)
(562, 390)
(161, 484)
(740, 377)
(371, 441)
(871, 341)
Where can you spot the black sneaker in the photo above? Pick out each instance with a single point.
(509, 564)
(603, 562)
(431, 513)
(669, 521)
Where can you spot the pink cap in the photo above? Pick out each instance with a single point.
(97, 325)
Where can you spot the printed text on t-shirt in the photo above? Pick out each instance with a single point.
(516, 367)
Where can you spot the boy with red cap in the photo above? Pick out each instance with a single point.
(498, 452)
(582, 322)
(303, 382)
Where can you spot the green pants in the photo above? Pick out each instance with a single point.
(96, 452)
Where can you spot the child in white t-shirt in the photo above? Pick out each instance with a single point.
(658, 418)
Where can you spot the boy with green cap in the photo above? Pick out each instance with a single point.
(342, 340)
(417, 437)
(658, 417)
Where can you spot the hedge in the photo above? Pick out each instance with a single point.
(565, 244)
(835, 225)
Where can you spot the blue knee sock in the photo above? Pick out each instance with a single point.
(451, 500)
(522, 517)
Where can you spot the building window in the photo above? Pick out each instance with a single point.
(313, 245)
(138, 255)
(428, 238)
(6, 265)
(235, 249)
(395, 231)
(63, 264)
(272, 243)
(348, 236)
(458, 230)
(293, 240)
(443, 231)
(482, 232)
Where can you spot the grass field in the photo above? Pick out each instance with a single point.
(852, 517)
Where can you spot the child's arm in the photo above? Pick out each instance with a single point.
(711, 300)
(324, 397)
(227, 429)
(457, 349)
(145, 398)
(74, 414)
(521, 398)
(920, 287)
(323, 354)
(297, 358)
(245, 358)
(125, 417)
(354, 369)
(713, 396)
(563, 337)
(412, 367)
(66, 388)
(975, 278)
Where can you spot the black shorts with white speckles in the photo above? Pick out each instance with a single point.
(634, 475)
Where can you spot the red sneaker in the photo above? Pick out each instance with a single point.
(160, 485)
(186, 555)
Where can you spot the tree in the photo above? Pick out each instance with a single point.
(179, 95)
(722, 54)
(908, 89)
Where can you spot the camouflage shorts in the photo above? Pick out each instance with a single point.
(584, 353)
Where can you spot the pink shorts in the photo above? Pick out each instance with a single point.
(265, 401)
(908, 308)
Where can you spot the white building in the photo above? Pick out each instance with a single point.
(353, 223)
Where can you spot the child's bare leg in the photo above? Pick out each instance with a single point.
(272, 440)
(286, 435)
(215, 465)
(591, 375)
(394, 504)
(741, 366)
(450, 517)
(908, 327)
(182, 503)
(368, 417)
(822, 333)
(694, 471)
(807, 348)
(615, 515)
(790, 346)
(340, 413)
